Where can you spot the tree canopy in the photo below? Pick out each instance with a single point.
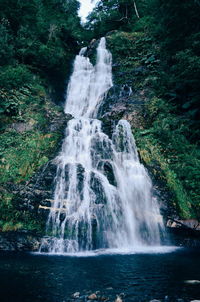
(38, 37)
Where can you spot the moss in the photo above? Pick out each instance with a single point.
(27, 143)
(22, 154)
(160, 133)
(9, 226)
(152, 155)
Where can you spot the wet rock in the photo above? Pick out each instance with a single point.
(119, 299)
(22, 127)
(76, 295)
(107, 168)
(116, 112)
(19, 241)
(184, 232)
(91, 48)
(134, 119)
(103, 298)
(92, 297)
(154, 300)
(192, 282)
(188, 223)
(36, 194)
(122, 295)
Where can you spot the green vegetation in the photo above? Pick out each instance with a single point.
(38, 40)
(27, 143)
(175, 29)
(163, 135)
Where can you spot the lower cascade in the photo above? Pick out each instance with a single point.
(103, 195)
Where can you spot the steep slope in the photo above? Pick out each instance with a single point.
(160, 134)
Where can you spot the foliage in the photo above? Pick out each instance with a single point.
(41, 35)
(177, 31)
(111, 15)
(27, 143)
(25, 149)
(183, 158)
(15, 76)
(174, 26)
(163, 136)
(38, 41)
(152, 154)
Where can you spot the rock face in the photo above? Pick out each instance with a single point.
(21, 127)
(184, 232)
(92, 297)
(27, 200)
(191, 224)
(19, 241)
(38, 192)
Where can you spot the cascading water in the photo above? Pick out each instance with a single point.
(103, 195)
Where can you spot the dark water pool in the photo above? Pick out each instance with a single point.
(141, 277)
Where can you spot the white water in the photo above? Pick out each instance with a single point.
(103, 196)
(89, 84)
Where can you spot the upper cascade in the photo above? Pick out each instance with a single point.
(89, 84)
(103, 195)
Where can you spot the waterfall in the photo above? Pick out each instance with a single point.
(103, 195)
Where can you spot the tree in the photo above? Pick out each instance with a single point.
(41, 34)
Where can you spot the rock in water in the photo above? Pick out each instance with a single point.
(192, 282)
(76, 295)
(92, 297)
(118, 299)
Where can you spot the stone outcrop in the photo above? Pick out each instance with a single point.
(191, 224)
(184, 232)
(19, 241)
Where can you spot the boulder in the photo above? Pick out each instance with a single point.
(19, 241)
(192, 282)
(187, 223)
(76, 295)
(119, 299)
(92, 297)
